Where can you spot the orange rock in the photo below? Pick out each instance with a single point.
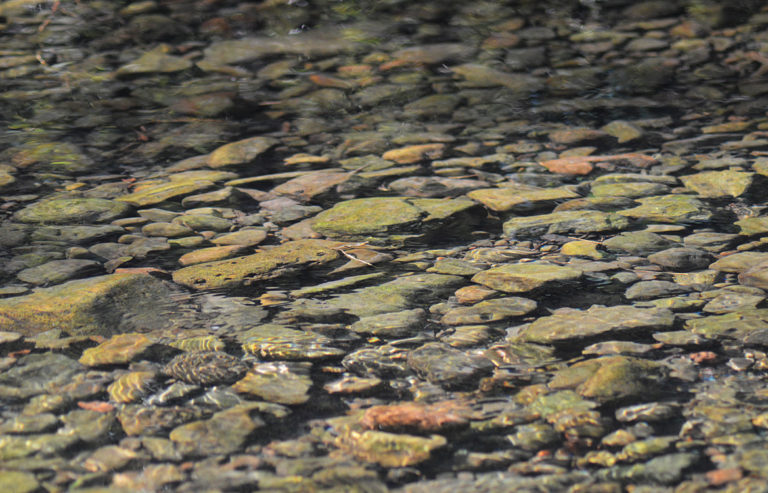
(98, 406)
(469, 295)
(722, 476)
(703, 357)
(412, 416)
(415, 153)
(326, 81)
(575, 165)
(583, 165)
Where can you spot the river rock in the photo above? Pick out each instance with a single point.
(676, 209)
(102, 305)
(564, 223)
(681, 259)
(528, 276)
(72, 210)
(719, 184)
(280, 382)
(395, 324)
(266, 264)
(448, 367)
(568, 324)
(224, 433)
(489, 311)
(58, 271)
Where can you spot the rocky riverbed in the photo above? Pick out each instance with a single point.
(383, 246)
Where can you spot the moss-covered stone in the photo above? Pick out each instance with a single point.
(670, 209)
(370, 216)
(521, 278)
(72, 210)
(240, 152)
(266, 264)
(565, 222)
(90, 306)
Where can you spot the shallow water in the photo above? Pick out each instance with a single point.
(366, 246)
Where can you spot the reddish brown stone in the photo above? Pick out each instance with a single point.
(415, 417)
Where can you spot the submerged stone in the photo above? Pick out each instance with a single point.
(101, 305)
(283, 383)
(205, 368)
(225, 432)
(525, 277)
(390, 449)
(117, 350)
(279, 342)
(568, 324)
(489, 311)
(565, 222)
(263, 265)
(738, 325)
(448, 367)
(395, 324)
(73, 210)
(240, 152)
(670, 209)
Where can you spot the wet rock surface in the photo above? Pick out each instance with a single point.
(383, 246)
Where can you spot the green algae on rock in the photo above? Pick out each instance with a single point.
(673, 209)
(389, 449)
(568, 324)
(72, 210)
(118, 349)
(360, 219)
(151, 192)
(240, 152)
(518, 198)
(489, 311)
(528, 276)
(280, 382)
(263, 265)
(101, 305)
(564, 222)
(225, 432)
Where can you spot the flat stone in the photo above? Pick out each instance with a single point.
(119, 349)
(154, 61)
(638, 243)
(681, 259)
(280, 382)
(648, 290)
(395, 324)
(240, 152)
(74, 210)
(390, 449)
(525, 277)
(225, 432)
(565, 223)
(569, 324)
(621, 378)
(737, 325)
(58, 271)
(521, 198)
(36, 374)
(670, 209)
(374, 216)
(756, 276)
(312, 43)
(243, 237)
(448, 367)
(96, 305)
(75, 234)
(179, 185)
(751, 226)
(267, 264)
(629, 189)
(494, 310)
(739, 262)
(719, 184)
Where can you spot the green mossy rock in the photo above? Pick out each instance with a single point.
(670, 209)
(266, 264)
(521, 278)
(565, 222)
(90, 306)
(72, 210)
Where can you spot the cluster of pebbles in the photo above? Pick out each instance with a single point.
(372, 246)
